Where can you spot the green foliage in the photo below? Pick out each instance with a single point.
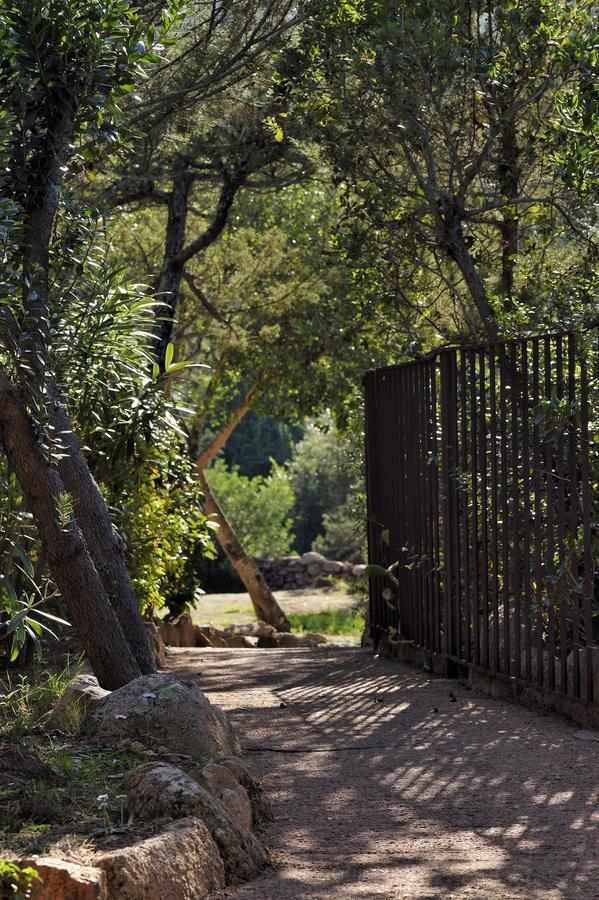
(343, 536)
(27, 700)
(159, 513)
(347, 621)
(258, 508)
(321, 475)
(16, 881)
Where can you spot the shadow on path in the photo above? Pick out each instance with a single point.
(384, 786)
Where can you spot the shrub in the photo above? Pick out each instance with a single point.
(259, 509)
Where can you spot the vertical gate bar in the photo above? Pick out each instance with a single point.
(515, 383)
(505, 530)
(484, 512)
(465, 517)
(494, 506)
(573, 675)
(436, 504)
(549, 563)
(475, 600)
(528, 605)
(538, 529)
(421, 505)
(427, 503)
(403, 605)
(449, 435)
(561, 510)
(587, 578)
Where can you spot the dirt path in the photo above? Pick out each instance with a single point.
(385, 787)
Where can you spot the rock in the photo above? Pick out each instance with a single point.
(221, 783)
(160, 790)
(18, 762)
(261, 806)
(78, 698)
(308, 644)
(286, 639)
(586, 735)
(179, 632)
(332, 567)
(62, 880)
(314, 569)
(162, 711)
(180, 862)
(359, 571)
(215, 638)
(236, 640)
(311, 557)
(156, 643)
(200, 638)
(266, 641)
(263, 629)
(316, 637)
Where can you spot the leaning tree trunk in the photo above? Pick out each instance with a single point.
(266, 607)
(102, 542)
(68, 558)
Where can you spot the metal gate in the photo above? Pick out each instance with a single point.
(483, 487)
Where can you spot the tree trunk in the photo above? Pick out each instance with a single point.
(176, 255)
(102, 542)
(169, 282)
(266, 607)
(451, 238)
(66, 552)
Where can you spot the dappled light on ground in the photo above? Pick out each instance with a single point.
(385, 786)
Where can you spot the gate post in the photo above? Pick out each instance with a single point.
(450, 512)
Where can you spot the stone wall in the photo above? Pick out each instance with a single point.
(309, 570)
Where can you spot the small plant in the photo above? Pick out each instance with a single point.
(15, 881)
(27, 700)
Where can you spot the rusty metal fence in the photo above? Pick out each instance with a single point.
(482, 477)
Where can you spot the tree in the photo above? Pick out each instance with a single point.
(67, 65)
(443, 121)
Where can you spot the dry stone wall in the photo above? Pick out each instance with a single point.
(309, 570)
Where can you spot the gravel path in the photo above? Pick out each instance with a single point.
(383, 786)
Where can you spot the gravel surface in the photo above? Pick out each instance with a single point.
(385, 786)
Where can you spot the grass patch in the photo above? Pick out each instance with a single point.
(26, 700)
(346, 621)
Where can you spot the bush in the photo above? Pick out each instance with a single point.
(259, 509)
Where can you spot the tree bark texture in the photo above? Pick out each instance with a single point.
(169, 282)
(265, 605)
(451, 238)
(102, 541)
(67, 555)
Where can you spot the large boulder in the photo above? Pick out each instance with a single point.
(159, 790)
(180, 862)
(163, 712)
(62, 880)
